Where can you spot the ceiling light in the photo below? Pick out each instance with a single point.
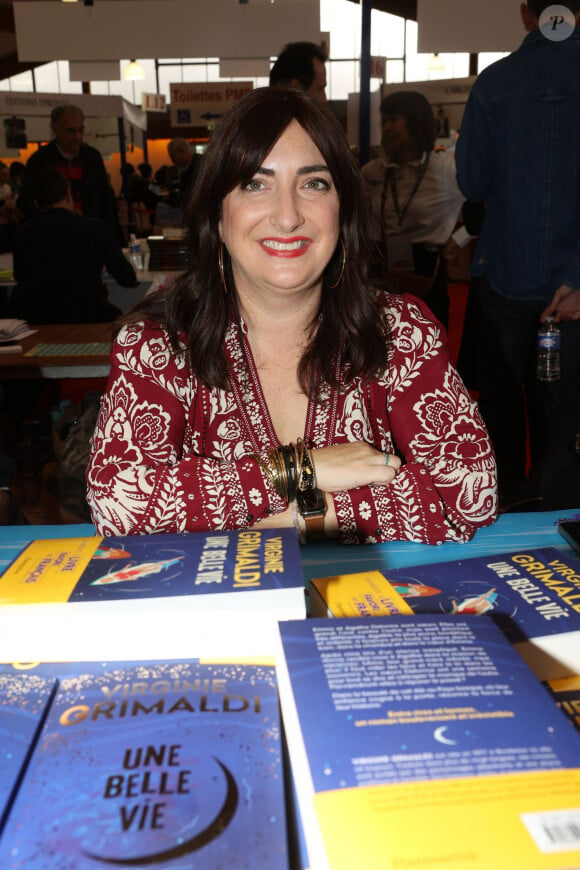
(133, 72)
(435, 64)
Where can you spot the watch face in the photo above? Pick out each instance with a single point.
(311, 502)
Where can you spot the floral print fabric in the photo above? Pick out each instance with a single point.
(169, 454)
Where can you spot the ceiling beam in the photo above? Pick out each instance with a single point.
(403, 8)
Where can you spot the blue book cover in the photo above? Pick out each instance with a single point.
(532, 594)
(153, 566)
(164, 765)
(430, 723)
(151, 596)
(24, 700)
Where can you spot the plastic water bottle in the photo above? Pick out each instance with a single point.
(548, 351)
(135, 253)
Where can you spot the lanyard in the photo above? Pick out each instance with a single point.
(390, 181)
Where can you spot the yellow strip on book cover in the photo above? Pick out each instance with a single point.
(457, 824)
(47, 571)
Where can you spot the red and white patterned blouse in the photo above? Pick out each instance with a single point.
(170, 455)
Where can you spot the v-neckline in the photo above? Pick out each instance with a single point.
(247, 389)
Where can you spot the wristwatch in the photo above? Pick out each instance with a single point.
(312, 506)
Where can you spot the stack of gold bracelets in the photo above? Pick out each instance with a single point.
(290, 470)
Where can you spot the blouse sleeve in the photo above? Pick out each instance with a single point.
(447, 486)
(146, 473)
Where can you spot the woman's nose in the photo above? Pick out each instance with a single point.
(286, 211)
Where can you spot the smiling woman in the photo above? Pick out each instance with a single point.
(281, 228)
(273, 384)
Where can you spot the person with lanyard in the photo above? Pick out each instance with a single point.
(273, 384)
(416, 202)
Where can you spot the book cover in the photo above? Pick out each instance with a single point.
(425, 741)
(364, 593)
(24, 699)
(566, 694)
(150, 596)
(165, 765)
(534, 595)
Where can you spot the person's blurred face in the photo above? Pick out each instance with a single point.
(281, 229)
(317, 89)
(69, 131)
(181, 157)
(396, 138)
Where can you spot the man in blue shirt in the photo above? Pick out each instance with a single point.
(519, 152)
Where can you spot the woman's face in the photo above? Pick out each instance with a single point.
(281, 229)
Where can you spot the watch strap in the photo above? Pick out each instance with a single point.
(314, 530)
(312, 506)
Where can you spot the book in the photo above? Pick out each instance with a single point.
(566, 694)
(163, 765)
(425, 741)
(150, 596)
(12, 329)
(534, 595)
(24, 700)
(570, 531)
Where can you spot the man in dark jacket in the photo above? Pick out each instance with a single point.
(187, 164)
(81, 164)
(59, 257)
(519, 152)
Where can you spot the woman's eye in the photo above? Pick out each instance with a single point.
(255, 184)
(317, 184)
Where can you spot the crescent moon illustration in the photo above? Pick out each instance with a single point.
(438, 735)
(213, 830)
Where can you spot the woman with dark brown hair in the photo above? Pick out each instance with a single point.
(272, 384)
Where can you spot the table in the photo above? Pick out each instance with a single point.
(510, 532)
(16, 366)
(123, 297)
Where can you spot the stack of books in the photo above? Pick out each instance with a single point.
(165, 701)
(160, 596)
(12, 331)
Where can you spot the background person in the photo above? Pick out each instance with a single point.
(81, 164)
(186, 163)
(442, 124)
(59, 257)
(275, 335)
(15, 175)
(9, 215)
(301, 65)
(519, 152)
(416, 201)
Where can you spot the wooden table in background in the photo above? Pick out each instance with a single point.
(16, 366)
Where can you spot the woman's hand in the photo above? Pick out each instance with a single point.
(345, 466)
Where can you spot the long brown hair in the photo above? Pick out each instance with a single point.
(197, 306)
